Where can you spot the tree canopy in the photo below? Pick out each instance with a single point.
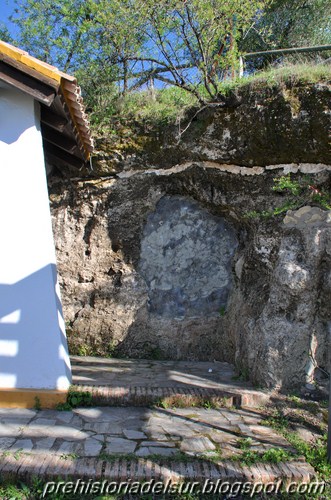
(115, 46)
(186, 43)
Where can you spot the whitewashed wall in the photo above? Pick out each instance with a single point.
(33, 348)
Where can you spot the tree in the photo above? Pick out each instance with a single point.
(58, 31)
(290, 24)
(66, 33)
(191, 44)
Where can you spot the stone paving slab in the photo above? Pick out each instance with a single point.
(122, 382)
(139, 443)
(86, 432)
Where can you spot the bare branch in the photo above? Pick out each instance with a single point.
(182, 85)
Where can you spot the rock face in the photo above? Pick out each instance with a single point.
(185, 259)
(286, 340)
(192, 261)
(263, 126)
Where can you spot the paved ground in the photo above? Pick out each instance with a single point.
(142, 382)
(96, 442)
(118, 443)
(153, 373)
(86, 432)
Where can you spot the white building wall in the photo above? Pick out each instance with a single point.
(33, 347)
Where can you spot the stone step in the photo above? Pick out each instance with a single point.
(141, 382)
(141, 396)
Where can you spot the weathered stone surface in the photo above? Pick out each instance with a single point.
(45, 421)
(8, 430)
(119, 445)
(264, 126)
(143, 452)
(68, 448)
(92, 447)
(197, 445)
(204, 434)
(43, 445)
(290, 334)
(17, 413)
(131, 434)
(186, 256)
(313, 216)
(23, 445)
(160, 450)
(157, 443)
(6, 442)
(100, 427)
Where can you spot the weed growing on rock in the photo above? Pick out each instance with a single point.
(244, 443)
(314, 453)
(300, 192)
(273, 455)
(285, 183)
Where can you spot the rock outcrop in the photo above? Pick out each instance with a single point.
(193, 259)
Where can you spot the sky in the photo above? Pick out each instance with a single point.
(6, 9)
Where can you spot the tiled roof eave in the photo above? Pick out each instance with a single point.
(65, 87)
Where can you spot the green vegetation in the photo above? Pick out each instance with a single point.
(75, 399)
(37, 404)
(273, 456)
(222, 311)
(298, 192)
(250, 457)
(290, 74)
(186, 400)
(285, 183)
(244, 443)
(155, 353)
(69, 456)
(164, 106)
(173, 105)
(170, 105)
(297, 23)
(132, 43)
(314, 452)
(303, 190)
(19, 491)
(243, 375)
(124, 51)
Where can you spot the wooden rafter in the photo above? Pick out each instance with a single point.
(53, 120)
(36, 89)
(60, 140)
(29, 71)
(58, 156)
(64, 123)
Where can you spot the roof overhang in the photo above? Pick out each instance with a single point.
(64, 123)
